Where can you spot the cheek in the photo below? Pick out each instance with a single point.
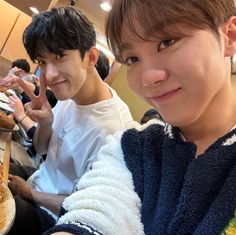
(134, 82)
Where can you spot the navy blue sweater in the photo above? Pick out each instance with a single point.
(181, 194)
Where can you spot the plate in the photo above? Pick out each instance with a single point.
(16, 128)
(7, 209)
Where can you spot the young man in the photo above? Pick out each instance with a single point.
(62, 41)
(178, 57)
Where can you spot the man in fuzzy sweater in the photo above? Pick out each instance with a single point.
(177, 178)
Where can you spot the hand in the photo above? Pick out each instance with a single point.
(16, 103)
(10, 81)
(39, 110)
(19, 186)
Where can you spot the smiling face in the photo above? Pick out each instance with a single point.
(182, 76)
(66, 74)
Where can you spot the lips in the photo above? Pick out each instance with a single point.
(165, 95)
(58, 83)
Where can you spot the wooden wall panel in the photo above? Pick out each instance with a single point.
(8, 16)
(14, 48)
(5, 66)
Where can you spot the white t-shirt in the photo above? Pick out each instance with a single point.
(78, 134)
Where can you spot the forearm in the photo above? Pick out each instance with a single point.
(25, 122)
(42, 137)
(50, 201)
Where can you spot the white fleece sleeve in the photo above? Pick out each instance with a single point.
(106, 200)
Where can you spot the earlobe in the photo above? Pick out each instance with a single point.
(230, 37)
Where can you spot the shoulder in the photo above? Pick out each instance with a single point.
(154, 129)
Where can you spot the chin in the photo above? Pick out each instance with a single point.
(62, 97)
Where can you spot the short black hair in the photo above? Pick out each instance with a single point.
(103, 66)
(57, 30)
(21, 64)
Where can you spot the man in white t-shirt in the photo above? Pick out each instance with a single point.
(62, 41)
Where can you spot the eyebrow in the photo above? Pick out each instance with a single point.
(125, 46)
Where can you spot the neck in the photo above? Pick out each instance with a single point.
(96, 90)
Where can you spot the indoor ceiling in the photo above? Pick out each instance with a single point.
(90, 7)
(24, 5)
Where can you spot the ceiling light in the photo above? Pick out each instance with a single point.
(106, 5)
(34, 10)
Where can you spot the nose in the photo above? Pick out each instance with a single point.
(153, 76)
(50, 71)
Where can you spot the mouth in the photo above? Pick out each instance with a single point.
(165, 96)
(56, 84)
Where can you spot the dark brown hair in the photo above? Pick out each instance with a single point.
(156, 16)
(57, 30)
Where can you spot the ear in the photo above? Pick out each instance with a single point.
(229, 30)
(93, 55)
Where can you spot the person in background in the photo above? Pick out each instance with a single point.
(62, 41)
(179, 177)
(24, 71)
(149, 115)
(20, 69)
(22, 148)
(103, 65)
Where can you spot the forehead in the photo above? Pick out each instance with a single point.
(137, 33)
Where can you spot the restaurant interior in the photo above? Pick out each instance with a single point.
(15, 15)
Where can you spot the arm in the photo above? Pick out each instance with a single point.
(105, 201)
(42, 136)
(19, 114)
(10, 81)
(21, 187)
(50, 201)
(39, 110)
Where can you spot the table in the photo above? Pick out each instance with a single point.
(7, 210)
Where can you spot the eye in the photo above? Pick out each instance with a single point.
(165, 43)
(60, 56)
(131, 60)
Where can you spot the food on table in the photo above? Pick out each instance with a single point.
(6, 121)
(5, 108)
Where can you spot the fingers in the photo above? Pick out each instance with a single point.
(43, 87)
(26, 89)
(7, 81)
(14, 98)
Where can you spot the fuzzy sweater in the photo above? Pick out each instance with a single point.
(179, 194)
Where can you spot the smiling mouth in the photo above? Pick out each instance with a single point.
(56, 84)
(165, 96)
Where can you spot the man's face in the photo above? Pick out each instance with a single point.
(182, 77)
(65, 73)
